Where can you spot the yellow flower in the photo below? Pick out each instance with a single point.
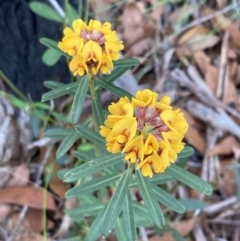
(147, 130)
(93, 47)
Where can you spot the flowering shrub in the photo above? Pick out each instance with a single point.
(141, 130)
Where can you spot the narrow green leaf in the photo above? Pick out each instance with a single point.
(51, 84)
(193, 204)
(60, 91)
(71, 14)
(129, 62)
(186, 152)
(115, 205)
(117, 72)
(150, 199)
(97, 111)
(50, 57)
(141, 215)
(91, 135)
(45, 11)
(128, 217)
(52, 44)
(84, 211)
(57, 132)
(92, 166)
(95, 230)
(67, 143)
(89, 199)
(189, 179)
(177, 236)
(79, 99)
(167, 200)
(114, 89)
(91, 186)
(120, 230)
(84, 155)
(62, 172)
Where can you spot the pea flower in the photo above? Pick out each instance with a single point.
(93, 47)
(147, 130)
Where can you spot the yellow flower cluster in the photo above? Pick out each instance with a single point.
(148, 130)
(93, 47)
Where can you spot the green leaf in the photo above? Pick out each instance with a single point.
(84, 211)
(92, 185)
(161, 178)
(115, 205)
(150, 199)
(56, 133)
(51, 84)
(186, 152)
(52, 44)
(63, 90)
(92, 166)
(114, 89)
(67, 143)
(91, 135)
(95, 230)
(84, 155)
(51, 57)
(141, 215)
(45, 11)
(193, 204)
(120, 230)
(129, 62)
(128, 217)
(62, 172)
(89, 199)
(189, 179)
(167, 200)
(116, 74)
(97, 111)
(176, 235)
(79, 99)
(71, 14)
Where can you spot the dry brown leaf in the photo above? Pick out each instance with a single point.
(209, 71)
(157, 10)
(196, 43)
(58, 186)
(193, 136)
(30, 196)
(34, 220)
(230, 93)
(20, 176)
(225, 146)
(181, 13)
(132, 21)
(183, 227)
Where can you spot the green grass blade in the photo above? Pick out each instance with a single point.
(114, 89)
(63, 90)
(167, 200)
(91, 135)
(150, 199)
(129, 62)
(67, 143)
(79, 99)
(45, 11)
(92, 166)
(189, 179)
(52, 44)
(128, 217)
(92, 185)
(115, 205)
